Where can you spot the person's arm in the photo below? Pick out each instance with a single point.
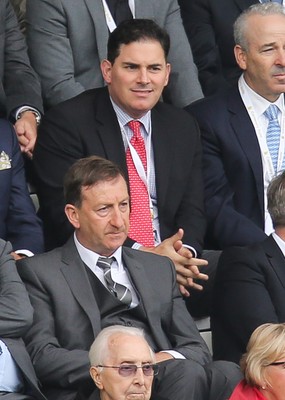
(184, 86)
(16, 313)
(182, 330)
(50, 50)
(222, 158)
(227, 224)
(21, 85)
(54, 364)
(186, 266)
(242, 295)
(58, 146)
(23, 227)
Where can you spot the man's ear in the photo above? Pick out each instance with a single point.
(106, 69)
(96, 376)
(241, 57)
(72, 215)
(168, 70)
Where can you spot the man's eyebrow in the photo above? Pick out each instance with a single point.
(267, 45)
(130, 63)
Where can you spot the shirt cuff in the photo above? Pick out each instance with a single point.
(194, 252)
(26, 253)
(26, 108)
(174, 354)
(136, 246)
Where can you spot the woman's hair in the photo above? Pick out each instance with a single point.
(266, 346)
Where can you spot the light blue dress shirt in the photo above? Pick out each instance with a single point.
(10, 376)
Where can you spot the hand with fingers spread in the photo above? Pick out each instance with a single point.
(187, 266)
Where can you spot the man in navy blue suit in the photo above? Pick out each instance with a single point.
(237, 161)
(18, 221)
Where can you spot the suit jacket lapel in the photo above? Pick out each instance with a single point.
(109, 130)
(96, 10)
(245, 132)
(21, 357)
(147, 295)
(74, 272)
(275, 258)
(162, 140)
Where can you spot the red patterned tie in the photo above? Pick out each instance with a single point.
(140, 219)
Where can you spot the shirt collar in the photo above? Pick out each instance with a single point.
(260, 103)
(124, 118)
(90, 257)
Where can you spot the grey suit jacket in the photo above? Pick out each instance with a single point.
(19, 84)
(16, 316)
(68, 39)
(67, 317)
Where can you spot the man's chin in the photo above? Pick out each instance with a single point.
(137, 396)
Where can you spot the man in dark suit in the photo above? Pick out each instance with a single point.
(250, 282)
(93, 282)
(18, 220)
(20, 91)
(237, 157)
(18, 380)
(96, 122)
(209, 27)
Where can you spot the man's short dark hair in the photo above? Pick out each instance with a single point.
(87, 172)
(136, 30)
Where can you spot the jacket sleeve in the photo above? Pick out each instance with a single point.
(16, 313)
(20, 82)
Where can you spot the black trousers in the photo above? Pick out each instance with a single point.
(188, 380)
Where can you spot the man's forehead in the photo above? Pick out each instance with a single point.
(129, 48)
(106, 188)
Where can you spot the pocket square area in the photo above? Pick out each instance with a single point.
(5, 162)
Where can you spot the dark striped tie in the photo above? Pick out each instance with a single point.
(120, 291)
(120, 10)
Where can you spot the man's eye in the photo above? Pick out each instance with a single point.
(147, 367)
(127, 368)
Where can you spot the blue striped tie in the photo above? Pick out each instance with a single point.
(272, 1)
(273, 133)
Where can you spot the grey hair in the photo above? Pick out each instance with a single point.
(99, 349)
(276, 200)
(241, 23)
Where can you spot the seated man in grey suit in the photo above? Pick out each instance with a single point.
(17, 377)
(93, 282)
(250, 284)
(122, 364)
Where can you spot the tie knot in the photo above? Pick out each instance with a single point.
(135, 127)
(272, 112)
(105, 262)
